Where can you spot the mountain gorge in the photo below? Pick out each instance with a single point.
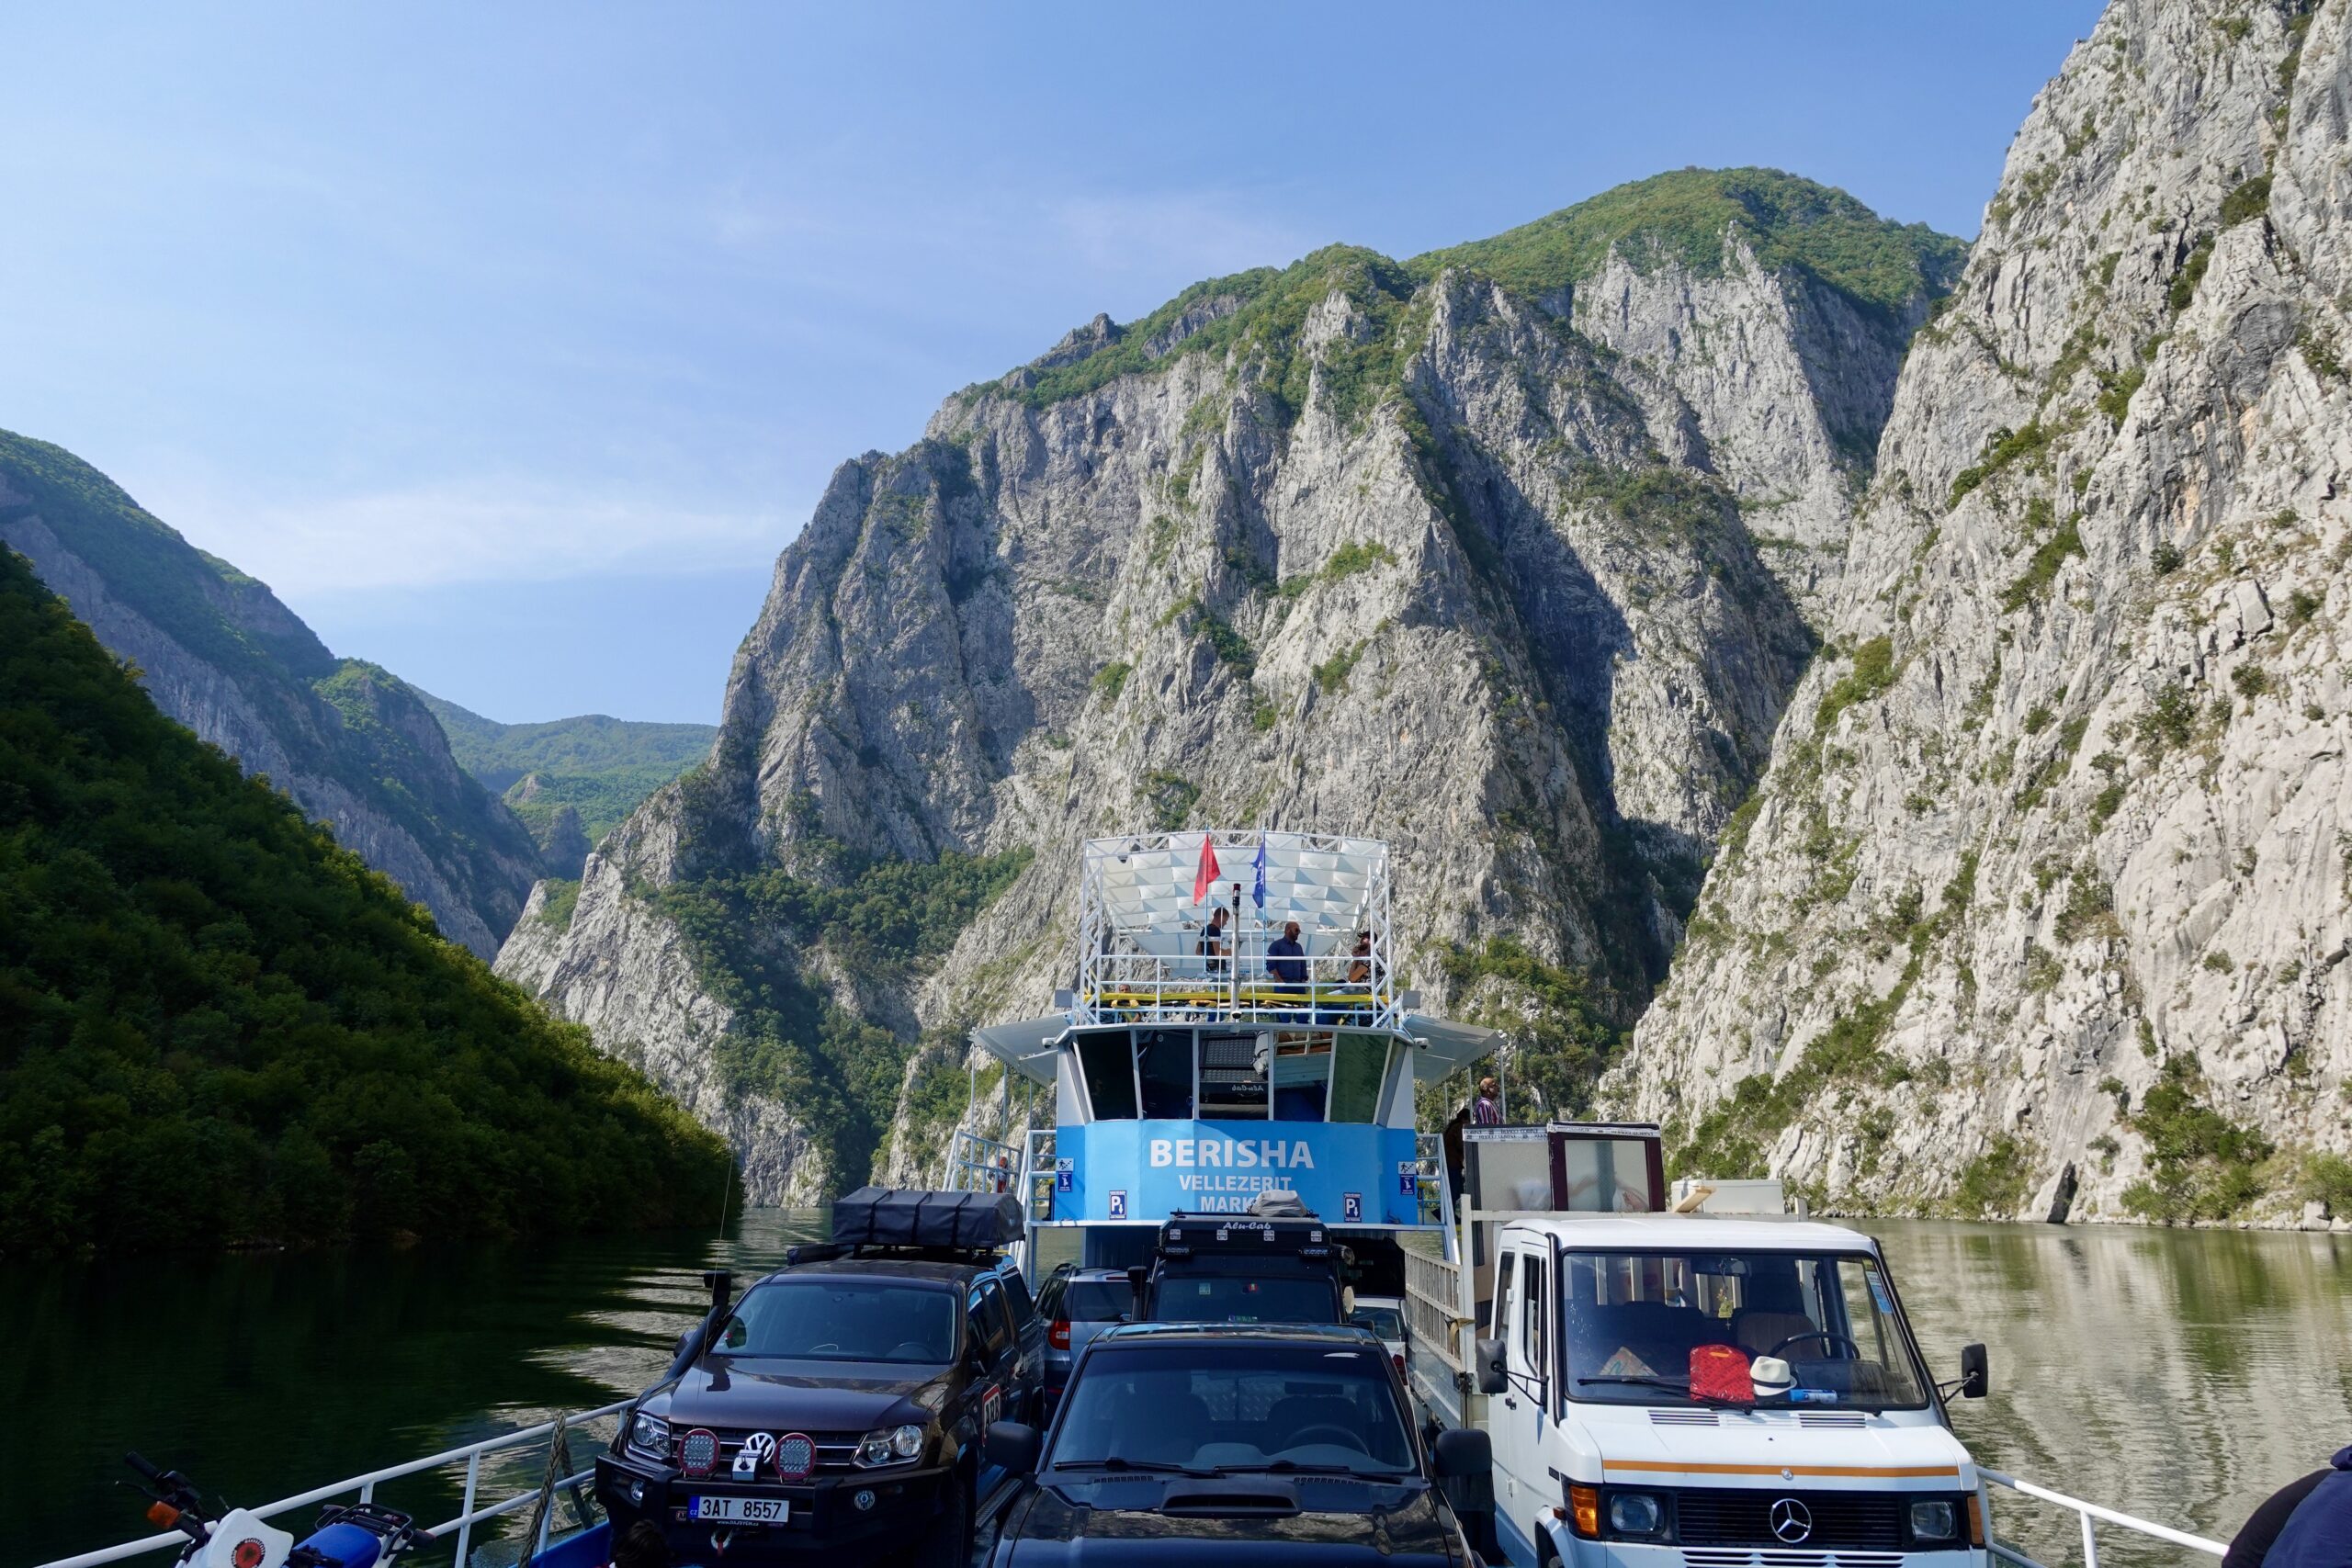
(2040, 908)
(1507, 552)
(357, 746)
(221, 1028)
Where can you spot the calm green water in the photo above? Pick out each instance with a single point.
(2181, 1375)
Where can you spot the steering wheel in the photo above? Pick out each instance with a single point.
(1338, 1437)
(1855, 1350)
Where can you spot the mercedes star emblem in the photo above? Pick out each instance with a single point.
(1791, 1520)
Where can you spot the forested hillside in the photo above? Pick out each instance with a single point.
(350, 741)
(570, 780)
(217, 1026)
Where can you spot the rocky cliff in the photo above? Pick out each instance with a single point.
(353, 745)
(1503, 553)
(2042, 901)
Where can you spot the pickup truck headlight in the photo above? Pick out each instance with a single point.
(649, 1436)
(1635, 1512)
(1935, 1518)
(895, 1446)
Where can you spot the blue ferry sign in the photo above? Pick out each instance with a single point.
(1126, 1170)
(1065, 1175)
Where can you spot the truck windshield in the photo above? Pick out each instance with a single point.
(1215, 1298)
(842, 1319)
(1233, 1408)
(1687, 1328)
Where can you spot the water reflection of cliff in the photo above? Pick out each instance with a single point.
(2178, 1375)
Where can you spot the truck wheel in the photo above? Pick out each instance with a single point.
(947, 1542)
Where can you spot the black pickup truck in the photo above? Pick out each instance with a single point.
(1223, 1443)
(836, 1410)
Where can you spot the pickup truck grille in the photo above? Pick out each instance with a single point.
(835, 1450)
(1843, 1522)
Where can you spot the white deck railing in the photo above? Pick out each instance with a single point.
(2089, 1514)
(362, 1488)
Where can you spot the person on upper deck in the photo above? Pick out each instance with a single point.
(1362, 968)
(1488, 1111)
(1213, 946)
(1285, 959)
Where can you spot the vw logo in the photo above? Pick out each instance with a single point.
(760, 1446)
(1791, 1520)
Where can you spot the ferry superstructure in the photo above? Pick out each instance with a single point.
(1196, 1063)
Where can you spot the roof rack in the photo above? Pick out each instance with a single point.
(827, 1251)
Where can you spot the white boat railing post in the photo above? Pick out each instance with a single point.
(466, 1513)
(2089, 1514)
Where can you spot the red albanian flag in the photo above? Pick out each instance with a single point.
(1204, 879)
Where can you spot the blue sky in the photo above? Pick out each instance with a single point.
(511, 342)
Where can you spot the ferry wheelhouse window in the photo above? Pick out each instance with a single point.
(1227, 1075)
(1636, 1325)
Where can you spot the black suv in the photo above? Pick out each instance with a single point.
(1234, 1269)
(837, 1410)
(1179, 1443)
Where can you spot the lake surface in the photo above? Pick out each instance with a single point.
(2181, 1375)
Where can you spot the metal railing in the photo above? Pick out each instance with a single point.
(981, 1163)
(2089, 1514)
(362, 1488)
(1146, 961)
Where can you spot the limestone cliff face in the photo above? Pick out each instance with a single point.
(1399, 549)
(350, 743)
(2044, 893)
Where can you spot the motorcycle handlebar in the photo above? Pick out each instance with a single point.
(152, 1472)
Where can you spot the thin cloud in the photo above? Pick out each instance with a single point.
(488, 531)
(1203, 233)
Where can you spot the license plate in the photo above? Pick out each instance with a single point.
(740, 1510)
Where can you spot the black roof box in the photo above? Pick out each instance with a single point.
(884, 1216)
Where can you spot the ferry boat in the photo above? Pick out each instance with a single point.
(1196, 1064)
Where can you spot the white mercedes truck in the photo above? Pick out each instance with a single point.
(1683, 1390)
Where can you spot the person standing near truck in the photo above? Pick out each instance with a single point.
(2305, 1524)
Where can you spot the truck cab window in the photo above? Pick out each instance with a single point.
(1531, 1336)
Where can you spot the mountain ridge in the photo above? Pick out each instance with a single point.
(1253, 559)
(351, 742)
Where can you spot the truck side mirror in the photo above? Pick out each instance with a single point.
(1975, 1378)
(1463, 1452)
(1137, 1277)
(1013, 1447)
(1492, 1379)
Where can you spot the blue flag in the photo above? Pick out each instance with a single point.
(1258, 894)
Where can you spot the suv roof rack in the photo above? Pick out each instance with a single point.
(1186, 1233)
(827, 1251)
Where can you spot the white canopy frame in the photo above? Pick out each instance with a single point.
(1141, 933)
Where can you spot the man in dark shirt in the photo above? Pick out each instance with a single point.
(1212, 944)
(2305, 1524)
(1286, 960)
